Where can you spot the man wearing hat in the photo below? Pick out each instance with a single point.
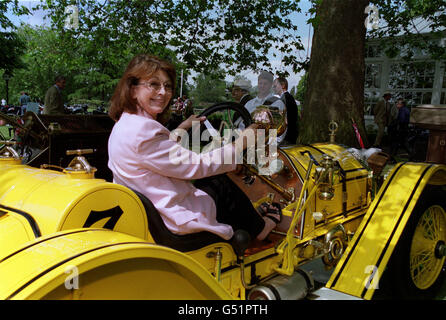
(381, 114)
(240, 91)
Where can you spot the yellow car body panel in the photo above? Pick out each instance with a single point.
(59, 202)
(347, 161)
(42, 211)
(351, 191)
(109, 265)
(15, 230)
(366, 257)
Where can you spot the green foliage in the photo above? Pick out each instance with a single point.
(11, 48)
(199, 36)
(204, 35)
(44, 60)
(209, 89)
(314, 19)
(5, 23)
(11, 45)
(301, 89)
(402, 34)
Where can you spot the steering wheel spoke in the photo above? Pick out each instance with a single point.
(222, 119)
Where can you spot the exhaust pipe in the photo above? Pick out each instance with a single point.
(295, 287)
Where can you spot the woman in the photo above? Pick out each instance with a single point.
(140, 151)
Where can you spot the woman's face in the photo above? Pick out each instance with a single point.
(153, 94)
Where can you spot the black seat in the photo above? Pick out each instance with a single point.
(164, 236)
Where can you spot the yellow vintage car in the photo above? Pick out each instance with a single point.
(68, 235)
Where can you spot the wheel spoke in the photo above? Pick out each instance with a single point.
(440, 224)
(428, 224)
(420, 258)
(424, 265)
(230, 114)
(420, 242)
(221, 116)
(223, 125)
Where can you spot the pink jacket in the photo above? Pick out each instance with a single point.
(140, 157)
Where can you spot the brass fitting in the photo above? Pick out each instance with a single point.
(79, 168)
(8, 155)
(327, 171)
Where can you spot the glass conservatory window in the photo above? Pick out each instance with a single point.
(373, 75)
(417, 75)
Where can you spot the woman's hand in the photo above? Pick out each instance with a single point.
(186, 124)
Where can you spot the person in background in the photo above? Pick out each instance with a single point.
(140, 149)
(179, 105)
(264, 96)
(53, 98)
(280, 87)
(188, 108)
(381, 117)
(400, 132)
(240, 91)
(23, 101)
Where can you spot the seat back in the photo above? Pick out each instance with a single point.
(162, 235)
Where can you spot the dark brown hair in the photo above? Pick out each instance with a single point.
(142, 66)
(283, 82)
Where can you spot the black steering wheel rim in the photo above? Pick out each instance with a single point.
(239, 112)
(237, 107)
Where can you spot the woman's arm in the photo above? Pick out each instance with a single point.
(166, 157)
(187, 124)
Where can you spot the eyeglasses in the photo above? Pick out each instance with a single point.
(156, 86)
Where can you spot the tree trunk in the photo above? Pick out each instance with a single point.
(336, 74)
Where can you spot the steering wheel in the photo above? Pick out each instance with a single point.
(219, 118)
(233, 111)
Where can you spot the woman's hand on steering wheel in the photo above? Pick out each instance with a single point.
(187, 124)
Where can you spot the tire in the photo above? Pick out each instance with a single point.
(407, 275)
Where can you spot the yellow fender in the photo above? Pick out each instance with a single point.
(367, 255)
(38, 202)
(102, 264)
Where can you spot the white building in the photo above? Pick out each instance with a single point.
(420, 80)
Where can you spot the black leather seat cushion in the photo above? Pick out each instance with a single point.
(164, 236)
